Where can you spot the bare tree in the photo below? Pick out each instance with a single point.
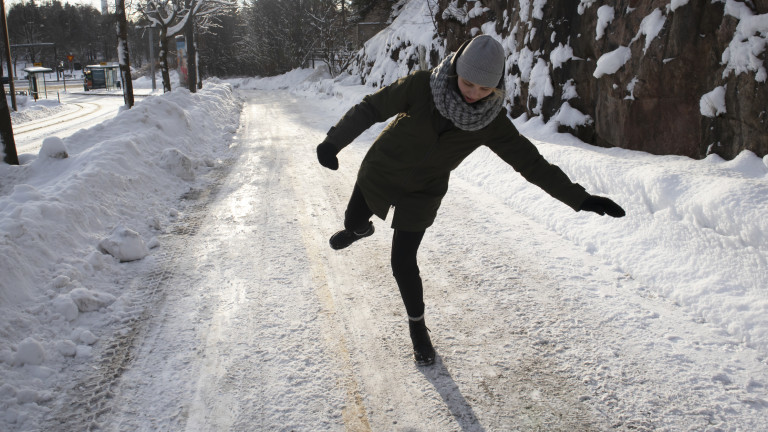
(189, 37)
(331, 25)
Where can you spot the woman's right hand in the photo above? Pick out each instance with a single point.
(326, 155)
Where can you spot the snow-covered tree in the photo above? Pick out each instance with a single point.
(172, 17)
(285, 34)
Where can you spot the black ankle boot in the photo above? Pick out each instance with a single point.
(423, 352)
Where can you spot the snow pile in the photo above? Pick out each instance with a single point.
(29, 109)
(53, 147)
(124, 244)
(68, 223)
(66, 201)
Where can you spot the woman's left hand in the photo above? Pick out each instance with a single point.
(602, 206)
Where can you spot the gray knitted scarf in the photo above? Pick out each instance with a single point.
(448, 100)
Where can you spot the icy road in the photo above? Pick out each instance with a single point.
(252, 323)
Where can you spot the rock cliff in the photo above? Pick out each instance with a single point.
(684, 77)
(663, 76)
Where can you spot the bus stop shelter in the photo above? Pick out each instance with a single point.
(101, 77)
(36, 77)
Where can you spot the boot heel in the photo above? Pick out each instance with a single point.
(423, 352)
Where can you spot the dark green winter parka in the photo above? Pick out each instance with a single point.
(410, 163)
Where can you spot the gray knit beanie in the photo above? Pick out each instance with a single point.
(482, 61)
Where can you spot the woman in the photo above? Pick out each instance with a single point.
(441, 117)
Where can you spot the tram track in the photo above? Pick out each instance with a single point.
(80, 113)
(81, 109)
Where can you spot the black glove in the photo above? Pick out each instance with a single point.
(601, 206)
(326, 155)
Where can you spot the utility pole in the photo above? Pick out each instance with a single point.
(189, 37)
(4, 29)
(152, 56)
(6, 127)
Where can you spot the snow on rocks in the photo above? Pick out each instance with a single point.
(712, 104)
(746, 50)
(674, 4)
(560, 55)
(609, 63)
(571, 117)
(650, 27)
(605, 15)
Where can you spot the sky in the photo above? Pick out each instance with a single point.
(679, 286)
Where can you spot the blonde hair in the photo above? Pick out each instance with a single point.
(497, 93)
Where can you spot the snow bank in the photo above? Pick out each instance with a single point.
(60, 207)
(695, 231)
(69, 218)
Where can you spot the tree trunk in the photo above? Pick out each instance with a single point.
(189, 37)
(163, 55)
(122, 53)
(6, 130)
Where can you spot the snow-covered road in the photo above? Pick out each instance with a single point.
(76, 112)
(256, 324)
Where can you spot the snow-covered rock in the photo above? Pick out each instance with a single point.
(89, 301)
(124, 244)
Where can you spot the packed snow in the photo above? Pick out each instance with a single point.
(90, 212)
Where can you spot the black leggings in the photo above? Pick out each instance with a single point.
(405, 246)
